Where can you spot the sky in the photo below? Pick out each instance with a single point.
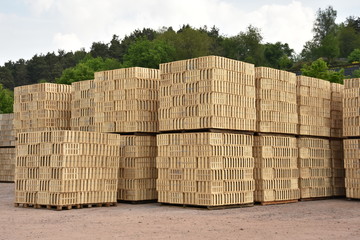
(29, 27)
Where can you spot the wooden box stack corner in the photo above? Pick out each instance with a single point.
(66, 169)
(276, 170)
(83, 106)
(276, 101)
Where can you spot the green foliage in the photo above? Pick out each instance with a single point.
(354, 56)
(146, 53)
(187, 42)
(278, 55)
(6, 100)
(329, 47)
(320, 69)
(86, 68)
(246, 46)
(356, 73)
(324, 23)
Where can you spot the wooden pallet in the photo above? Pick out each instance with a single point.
(211, 130)
(65, 207)
(278, 202)
(210, 207)
(315, 199)
(137, 202)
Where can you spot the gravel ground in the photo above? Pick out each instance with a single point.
(325, 219)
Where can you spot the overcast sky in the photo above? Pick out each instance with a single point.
(29, 27)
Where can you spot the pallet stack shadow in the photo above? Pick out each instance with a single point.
(66, 169)
(204, 157)
(126, 102)
(315, 162)
(275, 147)
(351, 130)
(7, 148)
(336, 140)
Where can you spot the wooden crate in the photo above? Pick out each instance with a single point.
(42, 107)
(7, 164)
(7, 132)
(137, 172)
(126, 100)
(276, 172)
(67, 168)
(315, 165)
(200, 97)
(337, 94)
(351, 127)
(83, 106)
(352, 166)
(314, 106)
(276, 101)
(205, 169)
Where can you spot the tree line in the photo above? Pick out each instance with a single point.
(332, 44)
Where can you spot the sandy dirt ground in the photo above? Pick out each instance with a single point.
(325, 219)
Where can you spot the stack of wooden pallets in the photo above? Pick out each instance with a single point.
(276, 170)
(276, 101)
(315, 160)
(65, 169)
(209, 162)
(207, 92)
(7, 132)
(42, 107)
(7, 148)
(314, 97)
(315, 166)
(137, 174)
(83, 106)
(351, 130)
(275, 148)
(126, 102)
(205, 169)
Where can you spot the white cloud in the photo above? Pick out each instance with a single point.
(72, 24)
(67, 41)
(40, 6)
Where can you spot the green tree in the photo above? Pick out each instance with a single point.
(246, 46)
(278, 55)
(349, 39)
(99, 49)
(356, 73)
(86, 68)
(354, 56)
(146, 53)
(6, 78)
(188, 42)
(6, 100)
(324, 23)
(329, 47)
(320, 69)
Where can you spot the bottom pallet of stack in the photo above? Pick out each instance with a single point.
(352, 168)
(7, 164)
(204, 169)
